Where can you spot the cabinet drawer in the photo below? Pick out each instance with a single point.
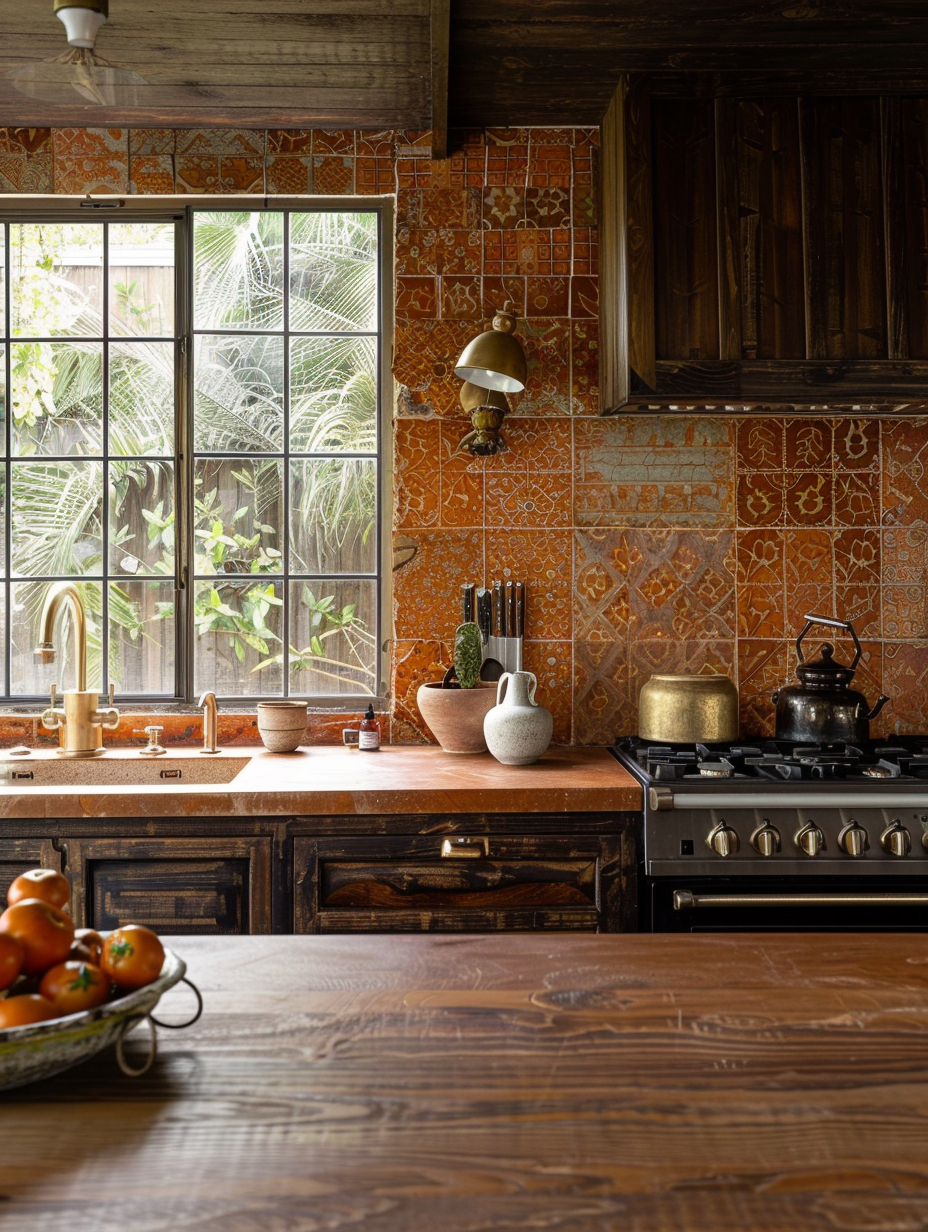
(174, 885)
(457, 884)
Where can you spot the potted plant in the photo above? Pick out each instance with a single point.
(454, 709)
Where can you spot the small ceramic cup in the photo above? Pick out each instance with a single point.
(282, 725)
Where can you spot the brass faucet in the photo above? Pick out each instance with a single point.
(80, 723)
(210, 723)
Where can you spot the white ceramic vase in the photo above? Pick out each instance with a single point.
(517, 729)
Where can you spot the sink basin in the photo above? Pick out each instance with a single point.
(119, 771)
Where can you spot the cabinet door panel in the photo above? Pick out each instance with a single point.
(18, 855)
(175, 885)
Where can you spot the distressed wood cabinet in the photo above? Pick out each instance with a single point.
(462, 873)
(764, 247)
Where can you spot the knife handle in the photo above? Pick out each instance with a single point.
(484, 613)
(509, 610)
(468, 604)
(498, 609)
(519, 630)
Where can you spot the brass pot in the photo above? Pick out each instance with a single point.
(688, 709)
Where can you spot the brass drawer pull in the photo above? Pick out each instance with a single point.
(465, 848)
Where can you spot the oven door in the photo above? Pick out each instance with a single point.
(787, 904)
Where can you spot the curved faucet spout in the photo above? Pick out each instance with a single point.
(64, 592)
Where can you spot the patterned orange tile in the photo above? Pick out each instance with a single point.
(603, 709)
(333, 141)
(761, 444)
(152, 141)
(857, 444)
(548, 165)
(760, 557)
(499, 291)
(552, 664)
(197, 175)
(289, 173)
(26, 173)
(905, 473)
(857, 499)
(809, 557)
(242, 175)
(437, 251)
(584, 297)
(681, 584)
(904, 556)
(415, 662)
(862, 606)
(760, 499)
(548, 297)
(540, 559)
(461, 491)
(30, 140)
(584, 367)
(547, 353)
(375, 175)
(583, 246)
(222, 142)
(289, 141)
(507, 165)
(760, 611)
(522, 498)
(503, 207)
(333, 174)
(427, 588)
(904, 612)
(455, 208)
(858, 556)
(425, 353)
(652, 470)
(806, 599)
(416, 468)
(461, 298)
(601, 591)
(809, 444)
(547, 207)
(92, 174)
(151, 173)
(809, 498)
(416, 297)
(905, 679)
(763, 667)
(90, 142)
(375, 144)
(535, 444)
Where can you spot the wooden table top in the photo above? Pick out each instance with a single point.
(465, 1083)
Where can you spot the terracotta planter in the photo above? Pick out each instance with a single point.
(282, 725)
(455, 716)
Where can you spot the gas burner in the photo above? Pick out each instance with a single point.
(880, 771)
(721, 769)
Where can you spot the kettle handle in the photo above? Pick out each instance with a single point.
(831, 623)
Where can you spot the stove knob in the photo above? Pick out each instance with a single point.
(723, 840)
(854, 840)
(810, 839)
(895, 839)
(766, 840)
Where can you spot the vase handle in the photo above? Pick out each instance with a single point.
(500, 688)
(531, 689)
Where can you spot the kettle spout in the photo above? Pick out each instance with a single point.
(880, 703)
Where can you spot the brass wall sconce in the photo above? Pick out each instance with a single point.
(491, 366)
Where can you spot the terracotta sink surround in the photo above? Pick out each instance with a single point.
(323, 781)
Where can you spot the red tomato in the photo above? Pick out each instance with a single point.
(87, 946)
(44, 932)
(21, 1011)
(132, 956)
(11, 959)
(74, 986)
(43, 883)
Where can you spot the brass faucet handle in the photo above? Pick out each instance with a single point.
(153, 748)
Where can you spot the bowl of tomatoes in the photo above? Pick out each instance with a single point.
(67, 993)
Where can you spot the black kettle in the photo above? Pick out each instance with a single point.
(822, 709)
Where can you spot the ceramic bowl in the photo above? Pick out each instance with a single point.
(282, 725)
(28, 1054)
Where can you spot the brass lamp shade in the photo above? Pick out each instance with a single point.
(494, 359)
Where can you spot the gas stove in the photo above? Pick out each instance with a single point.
(775, 825)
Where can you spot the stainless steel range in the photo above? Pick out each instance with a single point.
(772, 835)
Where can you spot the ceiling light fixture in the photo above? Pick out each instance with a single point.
(79, 70)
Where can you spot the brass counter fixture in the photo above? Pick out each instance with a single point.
(80, 722)
(210, 723)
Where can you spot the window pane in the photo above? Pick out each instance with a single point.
(238, 629)
(30, 677)
(238, 394)
(57, 508)
(3, 279)
(238, 270)
(333, 630)
(142, 636)
(141, 258)
(333, 271)
(238, 515)
(57, 279)
(142, 518)
(333, 506)
(333, 395)
(57, 397)
(142, 398)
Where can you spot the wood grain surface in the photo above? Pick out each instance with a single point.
(583, 1084)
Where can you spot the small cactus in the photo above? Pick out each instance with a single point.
(468, 654)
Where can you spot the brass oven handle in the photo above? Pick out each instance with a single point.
(684, 900)
(461, 848)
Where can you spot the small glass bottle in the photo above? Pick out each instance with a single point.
(369, 732)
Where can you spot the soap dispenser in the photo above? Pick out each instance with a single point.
(369, 732)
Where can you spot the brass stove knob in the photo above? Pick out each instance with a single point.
(723, 840)
(766, 839)
(853, 839)
(895, 839)
(810, 839)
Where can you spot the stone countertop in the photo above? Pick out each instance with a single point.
(318, 782)
(559, 1082)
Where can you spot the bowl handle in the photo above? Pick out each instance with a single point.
(179, 1026)
(127, 1025)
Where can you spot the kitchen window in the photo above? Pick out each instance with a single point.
(193, 436)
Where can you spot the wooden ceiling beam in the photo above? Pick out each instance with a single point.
(440, 32)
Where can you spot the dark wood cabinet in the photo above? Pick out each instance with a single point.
(18, 855)
(468, 882)
(173, 885)
(765, 248)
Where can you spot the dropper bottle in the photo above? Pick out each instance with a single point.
(369, 732)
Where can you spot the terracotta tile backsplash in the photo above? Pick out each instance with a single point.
(675, 543)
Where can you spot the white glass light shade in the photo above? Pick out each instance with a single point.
(81, 24)
(493, 360)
